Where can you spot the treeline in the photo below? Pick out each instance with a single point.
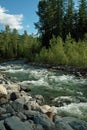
(62, 40)
(61, 17)
(14, 45)
(68, 52)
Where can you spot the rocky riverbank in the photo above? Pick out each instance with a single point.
(78, 71)
(19, 110)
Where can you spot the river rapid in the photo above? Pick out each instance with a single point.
(52, 85)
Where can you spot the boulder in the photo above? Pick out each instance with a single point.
(22, 116)
(2, 127)
(2, 110)
(39, 99)
(40, 119)
(45, 108)
(14, 123)
(43, 120)
(18, 104)
(14, 87)
(70, 123)
(9, 109)
(3, 94)
(4, 116)
(25, 88)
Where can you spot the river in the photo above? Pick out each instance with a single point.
(50, 84)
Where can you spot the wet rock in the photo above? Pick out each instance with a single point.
(9, 109)
(14, 123)
(45, 108)
(38, 127)
(43, 120)
(39, 99)
(34, 105)
(78, 125)
(14, 87)
(2, 110)
(2, 127)
(40, 119)
(3, 81)
(3, 94)
(30, 114)
(22, 116)
(4, 116)
(25, 88)
(26, 96)
(70, 123)
(18, 104)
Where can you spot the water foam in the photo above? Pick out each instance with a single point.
(39, 82)
(74, 109)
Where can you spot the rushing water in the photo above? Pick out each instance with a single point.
(49, 83)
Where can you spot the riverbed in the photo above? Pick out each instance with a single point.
(51, 84)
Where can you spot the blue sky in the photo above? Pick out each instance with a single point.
(19, 14)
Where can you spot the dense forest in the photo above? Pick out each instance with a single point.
(61, 39)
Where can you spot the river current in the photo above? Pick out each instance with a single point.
(50, 84)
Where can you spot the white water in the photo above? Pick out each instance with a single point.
(41, 78)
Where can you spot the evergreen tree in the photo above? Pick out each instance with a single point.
(50, 23)
(14, 42)
(68, 17)
(7, 38)
(82, 18)
(25, 43)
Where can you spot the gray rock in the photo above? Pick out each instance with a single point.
(2, 110)
(27, 106)
(2, 127)
(9, 109)
(22, 116)
(43, 120)
(30, 114)
(38, 127)
(25, 88)
(40, 119)
(3, 94)
(70, 123)
(78, 125)
(14, 123)
(30, 124)
(4, 116)
(18, 104)
(39, 99)
(14, 87)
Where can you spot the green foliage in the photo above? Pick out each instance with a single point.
(64, 53)
(61, 17)
(59, 56)
(13, 45)
(70, 52)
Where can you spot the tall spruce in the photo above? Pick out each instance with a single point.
(82, 18)
(50, 19)
(68, 17)
(14, 42)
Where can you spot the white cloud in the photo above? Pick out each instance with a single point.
(14, 21)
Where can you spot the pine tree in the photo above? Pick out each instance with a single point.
(68, 17)
(82, 18)
(14, 42)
